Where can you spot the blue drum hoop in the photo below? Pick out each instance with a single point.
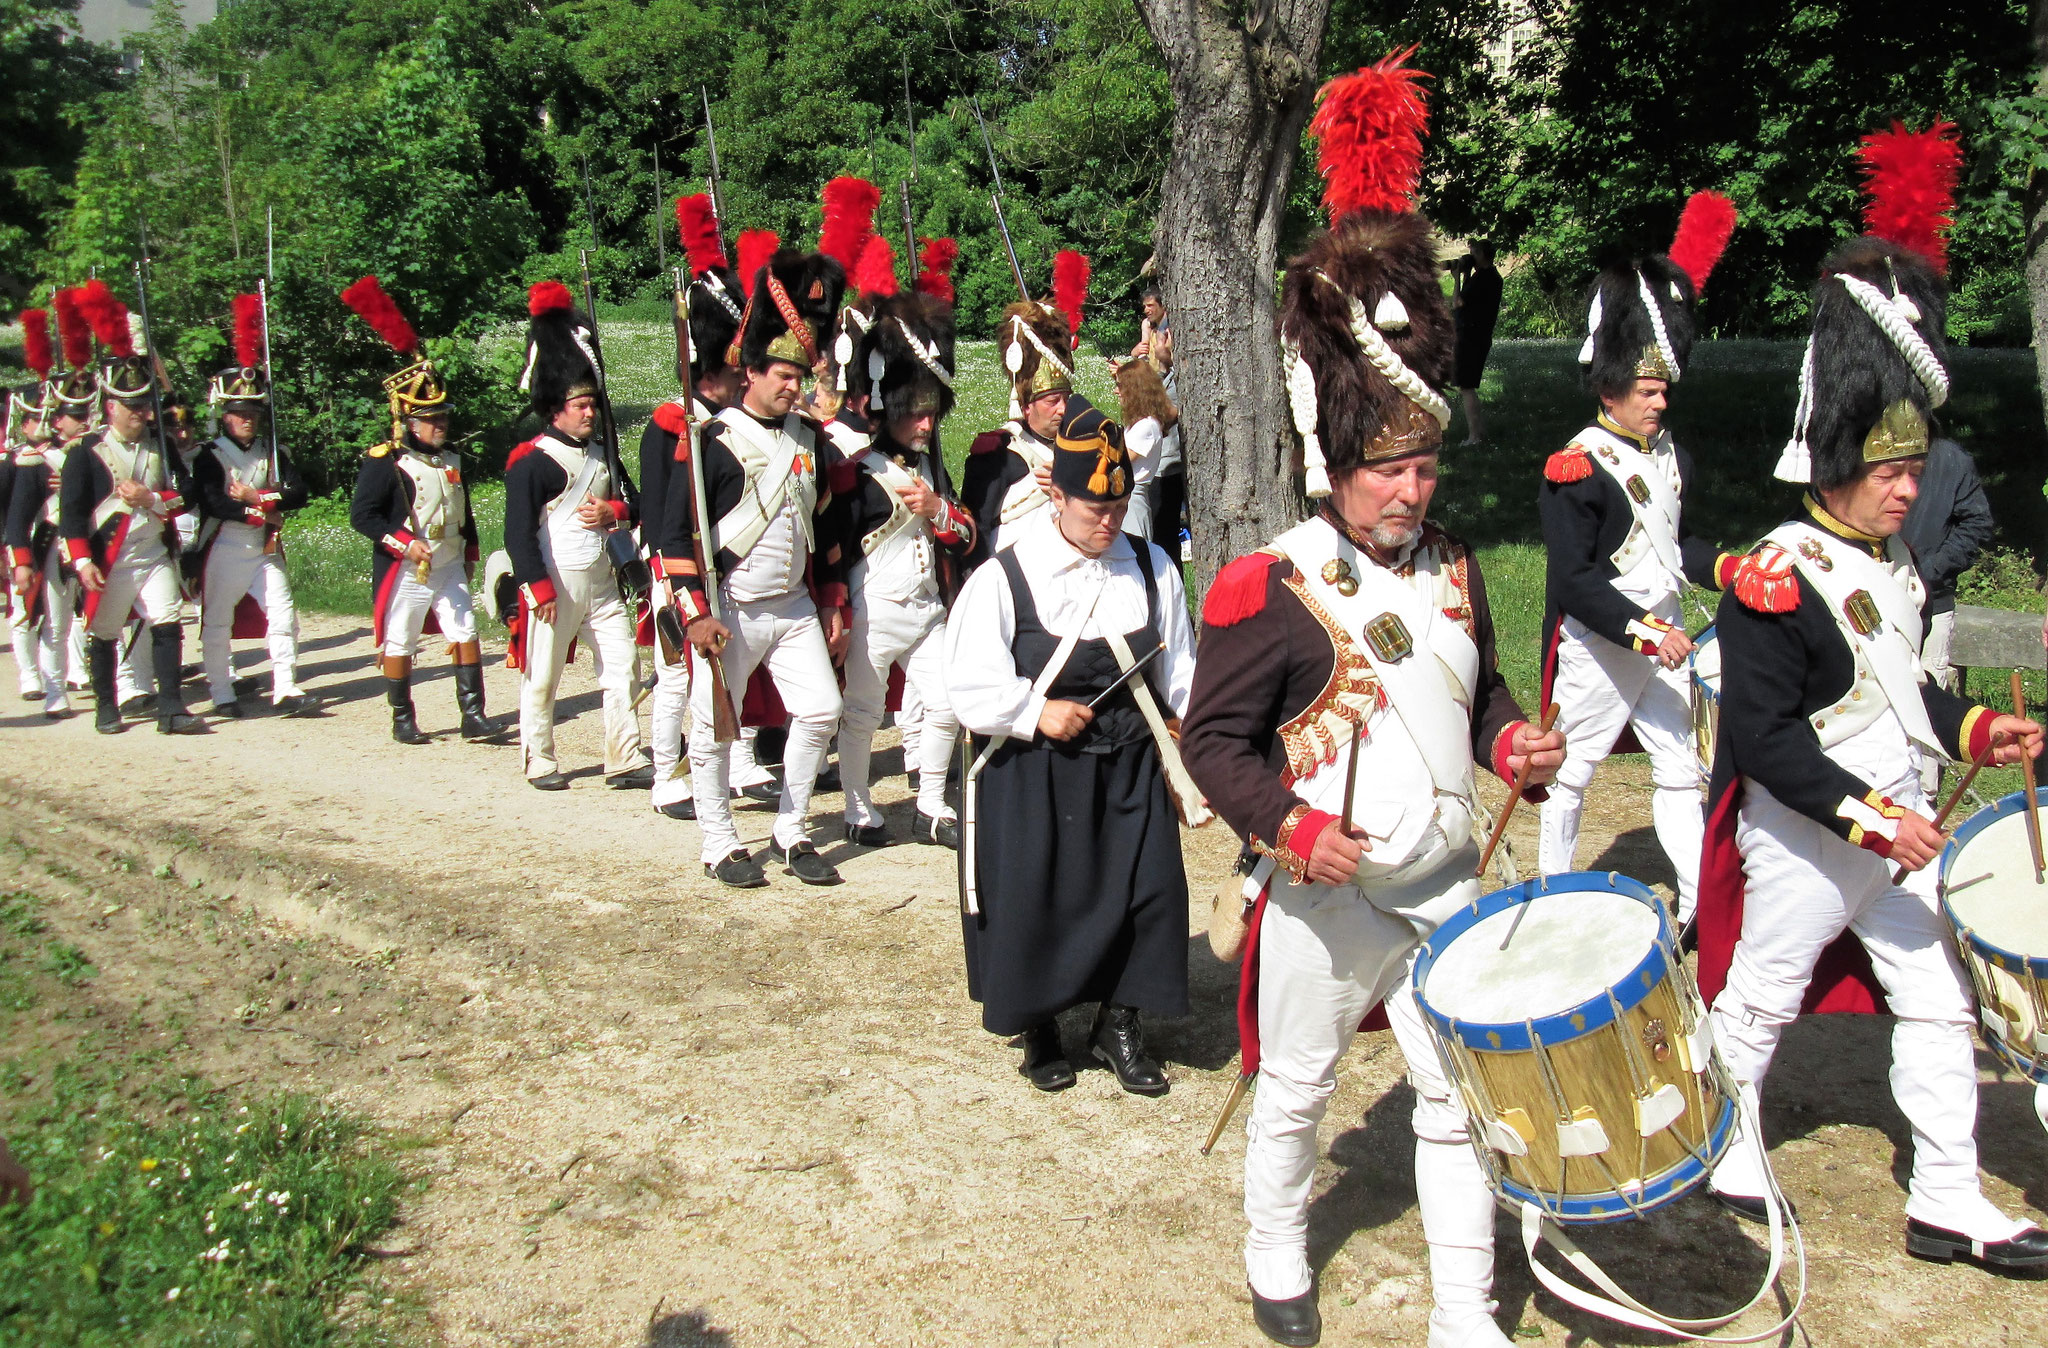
(1592, 1014)
(2035, 966)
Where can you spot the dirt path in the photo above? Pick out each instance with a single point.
(657, 1112)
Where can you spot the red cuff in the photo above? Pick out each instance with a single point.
(1300, 839)
(397, 541)
(833, 596)
(21, 557)
(953, 525)
(472, 553)
(691, 602)
(170, 501)
(254, 516)
(1725, 567)
(540, 592)
(618, 509)
(1976, 736)
(1870, 840)
(1503, 745)
(77, 550)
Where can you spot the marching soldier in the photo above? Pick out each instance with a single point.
(780, 602)
(1817, 808)
(121, 491)
(565, 493)
(1070, 654)
(1009, 469)
(1361, 638)
(44, 587)
(28, 430)
(245, 483)
(412, 504)
(1620, 552)
(902, 532)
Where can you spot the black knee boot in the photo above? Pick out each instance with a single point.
(99, 663)
(469, 700)
(398, 692)
(167, 654)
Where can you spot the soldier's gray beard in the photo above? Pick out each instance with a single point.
(1395, 532)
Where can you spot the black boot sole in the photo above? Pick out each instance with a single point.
(1940, 1250)
(1102, 1056)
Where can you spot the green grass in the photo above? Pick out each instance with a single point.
(167, 1213)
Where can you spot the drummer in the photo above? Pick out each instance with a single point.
(1817, 801)
(1363, 616)
(1620, 552)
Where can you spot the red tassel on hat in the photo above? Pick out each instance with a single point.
(1368, 128)
(1070, 271)
(376, 308)
(35, 342)
(876, 274)
(1704, 227)
(697, 226)
(756, 246)
(936, 258)
(72, 329)
(545, 297)
(1910, 180)
(849, 219)
(248, 330)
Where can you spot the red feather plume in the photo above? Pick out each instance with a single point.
(72, 330)
(1704, 227)
(122, 331)
(756, 246)
(1070, 286)
(697, 225)
(936, 259)
(1368, 127)
(97, 303)
(545, 297)
(376, 308)
(849, 219)
(1909, 178)
(35, 342)
(876, 274)
(248, 330)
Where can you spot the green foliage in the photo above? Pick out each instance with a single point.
(52, 75)
(207, 1222)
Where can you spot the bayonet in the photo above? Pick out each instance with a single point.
(711, 139)
(995, 200)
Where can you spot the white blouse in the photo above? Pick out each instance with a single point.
(1074, 594)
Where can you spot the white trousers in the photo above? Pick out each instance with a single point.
(1601, 689)
(1807, 887)
(1934, 651)
(668, 714)
(56, 640)
(237, 565)
(1326, 957)
(587, 604)
(885, 632)
(145, 585)
(444, 593)
(785, 635)
(22, 641)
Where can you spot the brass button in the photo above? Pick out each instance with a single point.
(1856, 696)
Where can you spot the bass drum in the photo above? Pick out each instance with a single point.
(1579, 1043)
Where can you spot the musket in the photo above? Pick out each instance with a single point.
(725, 727)
(156, 383)
(711, 138)
(660, 230)
(910, 135)
(995, 199)
(607, 429)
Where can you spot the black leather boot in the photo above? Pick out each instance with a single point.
(469, 700)
(99, 663)
(1295, 1322)
(1119, 1041)
(1045, 1062)
(398, 692)
(167, 655)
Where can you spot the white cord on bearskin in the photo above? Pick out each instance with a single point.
(842, 345)
(1301, 399)
(715, 288)
(1895, 315)
(1593, 312)
(1656, 312)
(1013, 361)
(1389, 363)
(1795, 464)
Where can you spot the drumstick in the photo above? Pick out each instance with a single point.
(1954, 799)
(1500, 825)
(2019, 709)
(1229, 1108)
(1351, 776)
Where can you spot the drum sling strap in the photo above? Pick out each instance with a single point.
(1619, 1306)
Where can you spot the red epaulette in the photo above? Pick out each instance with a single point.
(673, 418)
(1570, 464)
(1239, 590)
(1766, 581)
(519, 451)
(841, 476)
(989, 441)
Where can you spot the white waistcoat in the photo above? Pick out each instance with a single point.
(567, 545)
(1650, 566)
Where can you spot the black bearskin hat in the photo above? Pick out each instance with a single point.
(716, 306)
(1044, 365)
(809, 287)
(1630, 342)
(561, 351)
(904, 364)
(1860, 384)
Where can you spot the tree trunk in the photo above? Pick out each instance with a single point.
(2035, 249)
(1242, 91)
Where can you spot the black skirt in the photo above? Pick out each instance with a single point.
(1082, 893)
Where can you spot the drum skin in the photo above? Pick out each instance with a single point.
(2000, 916)
(1587, 1062)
